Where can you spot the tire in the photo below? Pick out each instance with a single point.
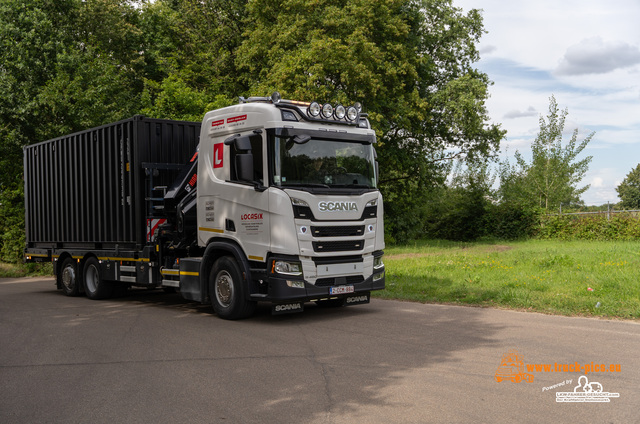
(227, 290)
(69, 277)
(94, 287)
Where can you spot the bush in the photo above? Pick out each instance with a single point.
(456, 214)
(621, 226)
(12, 223)
(511, 221)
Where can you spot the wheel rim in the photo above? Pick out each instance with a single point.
(69, 277)
(224, 288)
(91, 278)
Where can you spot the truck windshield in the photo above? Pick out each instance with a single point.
(322, 163)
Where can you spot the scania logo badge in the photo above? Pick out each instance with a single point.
(337, 206)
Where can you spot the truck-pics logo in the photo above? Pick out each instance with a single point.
(512, 368)
(337, 206)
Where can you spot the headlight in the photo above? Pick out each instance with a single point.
(314, 109)
(286, 267)
(327, 110)
(377, 262)
(373, 202)
(352, 113)
(299, 202)
(340, 112)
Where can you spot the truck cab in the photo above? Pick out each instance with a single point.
(293, 187)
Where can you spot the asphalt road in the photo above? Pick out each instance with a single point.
(152, 357)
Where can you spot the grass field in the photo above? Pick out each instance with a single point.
(550, 276)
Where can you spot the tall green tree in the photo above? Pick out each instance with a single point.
(629, 189)
(409, 62)
(64, 66)
(190, 51)
(554, 173)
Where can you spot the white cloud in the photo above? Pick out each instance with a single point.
(584, 52)
(595, 56)
(512, 114)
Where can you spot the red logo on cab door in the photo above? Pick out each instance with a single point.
(218, 150)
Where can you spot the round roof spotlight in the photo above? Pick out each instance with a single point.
(339, 112)
(275, 97)
(352, 113)
(327, 110)
(314, 109)
(358, 106)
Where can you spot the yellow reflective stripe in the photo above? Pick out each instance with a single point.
(108, 258)
(195, 274)
(213, 230)
(256, 258)
(170, 272)
(39, 255)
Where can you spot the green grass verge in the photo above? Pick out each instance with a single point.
(585, 278)
(8, 270)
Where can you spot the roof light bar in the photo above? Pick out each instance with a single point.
(317, 111)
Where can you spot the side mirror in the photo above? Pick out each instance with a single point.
(244, 166)
(241, 143)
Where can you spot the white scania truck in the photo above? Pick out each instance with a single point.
(269, 200)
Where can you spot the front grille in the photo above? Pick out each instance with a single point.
(337, 246)
(347, 231)
(350, 279)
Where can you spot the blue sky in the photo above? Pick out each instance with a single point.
(586, 53)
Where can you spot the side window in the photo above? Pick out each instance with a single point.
(248, 158)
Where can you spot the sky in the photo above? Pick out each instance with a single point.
(586, 53)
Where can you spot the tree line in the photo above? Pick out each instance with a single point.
(68, 65)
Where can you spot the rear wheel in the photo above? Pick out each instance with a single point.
(227, 290)
(94, 286)
(68, 278)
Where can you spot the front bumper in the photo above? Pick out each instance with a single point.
(281, 290)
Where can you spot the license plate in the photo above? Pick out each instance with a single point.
(341, 289)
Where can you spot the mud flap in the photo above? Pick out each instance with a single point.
(357, 299)
(287, 308)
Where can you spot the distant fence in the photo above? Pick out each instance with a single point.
(634, 212)
(598, 225)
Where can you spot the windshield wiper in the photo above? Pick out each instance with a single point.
(304, 185)
(351, 186)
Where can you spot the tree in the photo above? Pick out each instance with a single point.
(629, 189)
(73, 64)
(554, 173)
(408, 62)
(64, 66)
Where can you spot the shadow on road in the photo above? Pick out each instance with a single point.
(315, 366)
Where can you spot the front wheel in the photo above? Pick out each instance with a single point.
(227, 290)
(94, 286)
